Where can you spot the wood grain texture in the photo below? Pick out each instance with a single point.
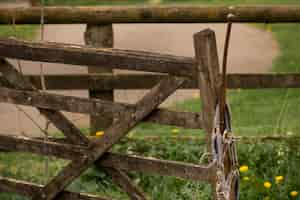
(112, 135)
(60, 102)
(127, 163)
(146, 81)
(28, 189)
(159, 167)
(208, 79)
(100, 36)
(151, 14)
(120, 178)
(49, 103)
(96, 57)
(47, 148)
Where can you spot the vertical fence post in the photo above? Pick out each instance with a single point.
(208, 77)
(35, 2)
(208, 81)
(100, 36)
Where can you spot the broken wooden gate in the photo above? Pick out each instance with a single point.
(84, 152)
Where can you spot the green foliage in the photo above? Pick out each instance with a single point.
(266, 162)
(19, 31)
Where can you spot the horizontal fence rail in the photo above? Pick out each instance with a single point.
(104, 58)
(95, 107)
(28, 189)
(147, 81)
(123, 162)
(154, 14)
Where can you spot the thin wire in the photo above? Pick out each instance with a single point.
(31, 119)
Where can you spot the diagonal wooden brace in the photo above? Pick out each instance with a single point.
(15, 80)
(120, 178)
(112, 135)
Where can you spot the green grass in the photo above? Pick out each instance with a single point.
(26, 32)
(268, 111)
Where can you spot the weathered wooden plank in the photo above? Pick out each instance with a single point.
(14, 79)
(151, 14)
(100, 36)
(208, 71)
(112, 135)
(147, 81)
(157, 166)
(175, 118)
(263, 80)
(47, 102)
(60, 102)
(29, 189)
(47, 148)
(104, 58)
(109, 160)
(120, 178)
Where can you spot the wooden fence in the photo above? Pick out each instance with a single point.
(175, 72)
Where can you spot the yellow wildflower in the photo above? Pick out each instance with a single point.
(246, 178)
(244, 168)
(294, 193)
(267, 185)
(266, 198)
(99, 133)
(175, 130)
(279, 179)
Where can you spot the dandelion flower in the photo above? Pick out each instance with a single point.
(267, 185)
(175, 130)
(244, 168)
(294, 193)
(246, 178)
(279, 179)
(99, 133)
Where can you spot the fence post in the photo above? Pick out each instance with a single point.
(208, 77)
(208, 80)
(100, 36)
(35, 2)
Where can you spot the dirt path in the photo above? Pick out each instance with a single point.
(251, 51)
